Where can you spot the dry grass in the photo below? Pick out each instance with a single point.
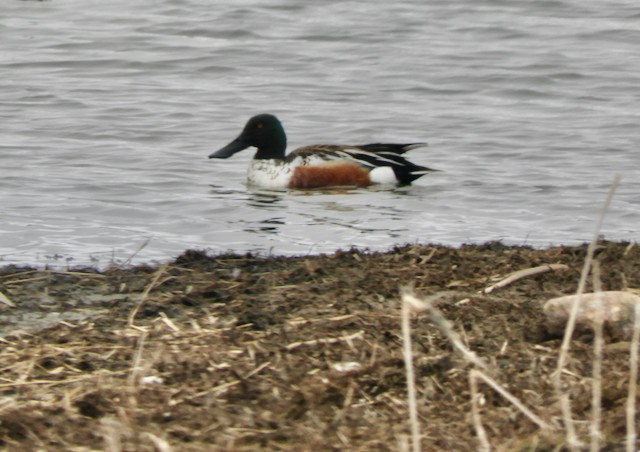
(411, 304)
(246, 353)
(633, 382)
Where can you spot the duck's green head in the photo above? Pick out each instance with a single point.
(263, 132)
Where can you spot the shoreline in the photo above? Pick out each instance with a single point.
(104, 260)
(237, 352)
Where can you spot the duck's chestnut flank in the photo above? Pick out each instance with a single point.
(331, 175)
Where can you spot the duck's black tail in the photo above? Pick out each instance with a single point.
(390, 154)
(391, 148)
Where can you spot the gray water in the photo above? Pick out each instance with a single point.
(108, 111)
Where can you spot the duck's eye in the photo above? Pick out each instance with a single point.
(259, 125)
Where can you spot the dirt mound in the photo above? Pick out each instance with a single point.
(246, 352)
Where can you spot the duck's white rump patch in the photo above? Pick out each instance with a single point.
(383, 175)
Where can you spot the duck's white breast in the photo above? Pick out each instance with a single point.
(273, 174)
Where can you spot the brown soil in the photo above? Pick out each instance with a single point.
(242, 352)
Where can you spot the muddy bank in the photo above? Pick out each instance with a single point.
(237, 352)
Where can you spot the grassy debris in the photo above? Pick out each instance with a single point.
(246, 352)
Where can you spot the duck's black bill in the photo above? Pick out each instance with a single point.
(234, 147)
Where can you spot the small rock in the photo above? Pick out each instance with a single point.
(617, 312)
(349, 366)
(151, 380)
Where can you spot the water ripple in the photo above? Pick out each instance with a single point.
(109, 112)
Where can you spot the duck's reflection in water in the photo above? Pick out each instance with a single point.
(264, 199)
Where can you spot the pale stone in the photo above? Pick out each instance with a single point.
(616, 308)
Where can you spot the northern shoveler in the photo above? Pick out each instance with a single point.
(319, 166)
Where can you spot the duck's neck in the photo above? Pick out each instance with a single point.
(273, 148)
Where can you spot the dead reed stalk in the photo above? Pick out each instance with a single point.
(408, 365)
(145, 294)
(440, 321)
(136, 252)
(475, 413)
(565, 403)
(598, 342)
(4, 299)
(411, 303)
(515, 276)
(633, 382)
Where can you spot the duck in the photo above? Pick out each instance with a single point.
(319, 165)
